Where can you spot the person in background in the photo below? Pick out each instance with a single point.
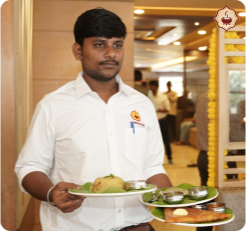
(85, 130)
(171, 117)
(138, 83)
(162, 109)
(185, 127)
(202, 143)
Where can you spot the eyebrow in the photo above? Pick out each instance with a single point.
(104, 40)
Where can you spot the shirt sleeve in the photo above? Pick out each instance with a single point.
(155, 152)
(37, 152)
(173, 97)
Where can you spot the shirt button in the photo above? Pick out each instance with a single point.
(119, 211)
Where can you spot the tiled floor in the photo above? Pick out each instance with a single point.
(178, 173)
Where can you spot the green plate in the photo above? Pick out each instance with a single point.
(110, 191)
(158, 214)
(212, 193)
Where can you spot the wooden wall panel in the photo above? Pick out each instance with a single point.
(52, 56)
(61, 15)
(8, 158)
(53, 61)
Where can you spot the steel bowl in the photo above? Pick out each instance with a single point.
(198, 193)
(135, 184)
(203, 207)
(173, 197)
(216, 207)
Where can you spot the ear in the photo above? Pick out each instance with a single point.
(77, 51)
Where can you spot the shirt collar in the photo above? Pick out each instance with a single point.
(82, 88)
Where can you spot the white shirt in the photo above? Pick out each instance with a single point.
(173, 98)
(76, 137)
(162, 102)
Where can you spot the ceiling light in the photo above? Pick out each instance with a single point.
(243, 14)
(176, 43)
(244, 37)
(173, 62)
(202, 32)
(196, 23)
(202, 48)
(174, 34)
(138, 11)
(161, 43)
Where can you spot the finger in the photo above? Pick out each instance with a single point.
(65, 197)
(71, 209)
(65, 186)
(71, 205)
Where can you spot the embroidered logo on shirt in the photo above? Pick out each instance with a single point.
(135, 116)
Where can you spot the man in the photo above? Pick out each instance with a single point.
(171, 117)
(82, 131)
(162, 104)
(185, 127)
(202, 142)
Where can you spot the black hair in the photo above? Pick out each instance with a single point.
(98, 22)
(137, 75)
(154, 83)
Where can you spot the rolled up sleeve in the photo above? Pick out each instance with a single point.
(37, 152)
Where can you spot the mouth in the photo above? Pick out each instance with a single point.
(109, 64)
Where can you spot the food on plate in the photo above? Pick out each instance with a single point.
(108, 181)
(184, 191)
(180, 212)
(193, 216)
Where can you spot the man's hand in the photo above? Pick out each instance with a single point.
(38, 184)
(63, 200)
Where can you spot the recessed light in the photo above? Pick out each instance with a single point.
(138, 11)
(161, 43)
(174, 34)
(202, 32)
(176, 43)
(202, 48)
(243, 14)
(196, 23)
(244, 37)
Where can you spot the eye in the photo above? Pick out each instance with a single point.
(99, 45)
(118, 45)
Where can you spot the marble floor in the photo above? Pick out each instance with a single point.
(178, 173)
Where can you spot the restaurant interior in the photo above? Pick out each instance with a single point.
(177, 41)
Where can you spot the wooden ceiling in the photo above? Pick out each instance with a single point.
(170, 21)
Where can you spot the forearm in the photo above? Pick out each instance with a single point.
(37, 184)
(162, 110)
(160, 180)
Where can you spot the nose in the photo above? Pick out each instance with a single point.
(110, 52)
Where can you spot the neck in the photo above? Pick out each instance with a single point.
(154, 93)
(104, 89)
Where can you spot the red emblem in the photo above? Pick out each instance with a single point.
(226, 18)
(135, 115)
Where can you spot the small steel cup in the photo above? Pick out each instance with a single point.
(198, 193)
(135, 184)
(203, 207)
(216, 207)
(173, 197)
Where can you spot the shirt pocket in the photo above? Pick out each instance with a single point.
(136, 143)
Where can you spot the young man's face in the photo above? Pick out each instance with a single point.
(102, 57)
